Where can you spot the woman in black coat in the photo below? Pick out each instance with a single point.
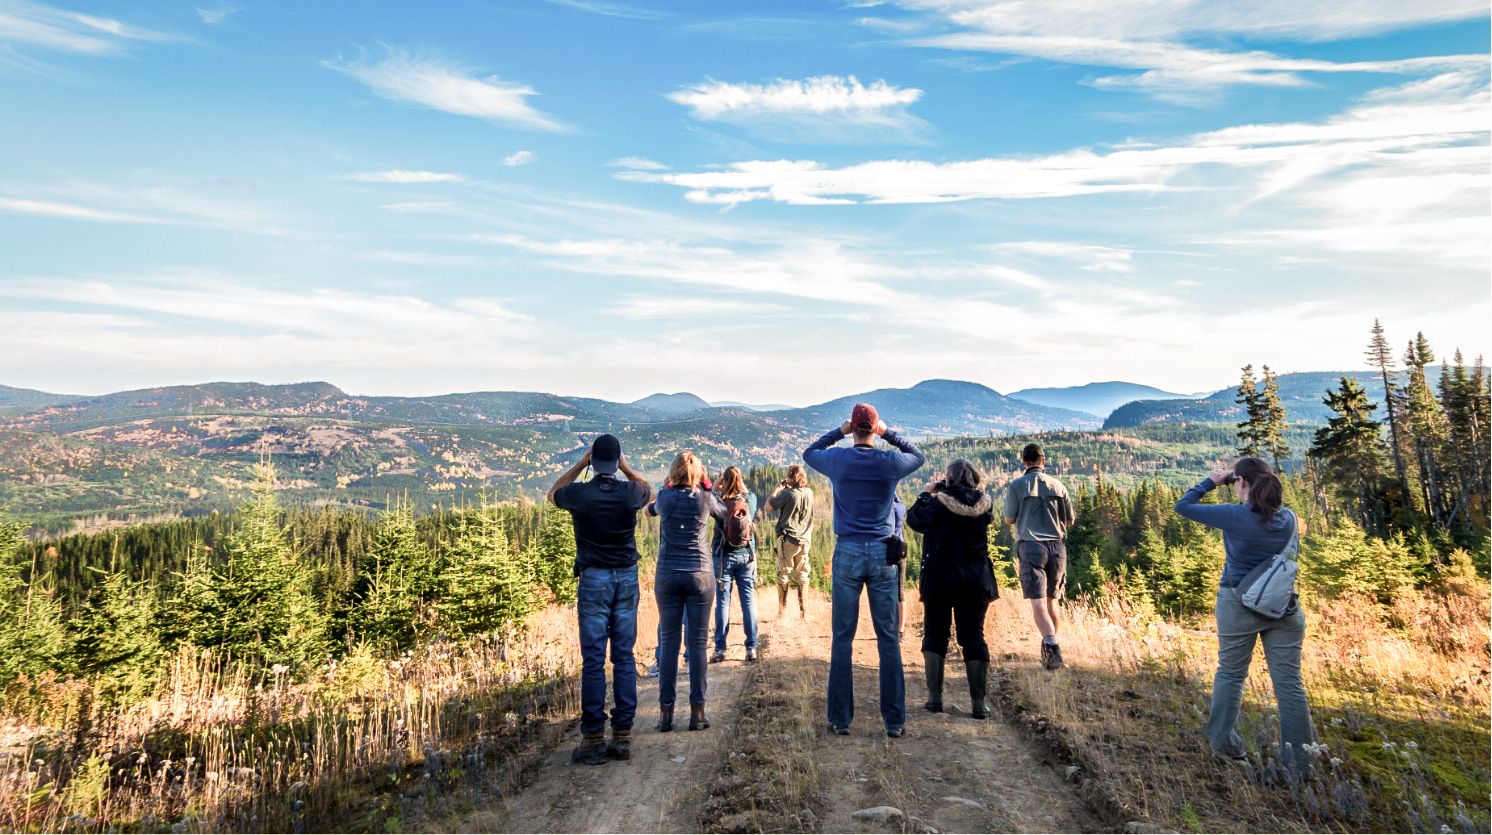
(958, 581)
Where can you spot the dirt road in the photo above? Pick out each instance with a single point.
(769, 761)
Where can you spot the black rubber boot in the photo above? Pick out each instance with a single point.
(978, 687)
(933, 663)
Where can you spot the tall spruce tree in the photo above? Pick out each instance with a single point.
(1273, 421)
(1350, 451)
(1251, 427)
(551, 556)
(33, 639)
(1381, 357)
(1426, 424)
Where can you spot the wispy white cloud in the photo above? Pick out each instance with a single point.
(217, 14)
(1155, 38)
(423, 259)
(38, 25)
(1447, 113)
(828, 106)
(402, 176)
(519, 158)
(443, 85)
(1091, 257)
(144, 204)
(611, 9)
(637, 164)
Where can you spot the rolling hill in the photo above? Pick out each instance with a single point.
(1096, 399)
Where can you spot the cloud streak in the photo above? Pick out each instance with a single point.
(41, 26)
(834, 107)
(402, 176)
(437, 84)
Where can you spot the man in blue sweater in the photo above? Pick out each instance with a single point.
(864, 480)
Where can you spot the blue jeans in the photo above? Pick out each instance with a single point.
(1237, 629)
(859, 564)
(739, 570)
(683, 596)
(606, 607)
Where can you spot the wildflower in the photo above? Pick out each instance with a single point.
(1412, 745)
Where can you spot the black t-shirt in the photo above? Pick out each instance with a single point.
(604, 510)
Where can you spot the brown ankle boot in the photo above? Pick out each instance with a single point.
(782, 599)
(697, 720)
(665, 718)
(591, 750)
(620, 746)
(802, 608)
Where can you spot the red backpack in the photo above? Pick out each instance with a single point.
(738, 527)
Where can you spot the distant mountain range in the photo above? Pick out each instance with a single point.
(750, 407)
(1300, 393)
(182, 449)
(1094, 399)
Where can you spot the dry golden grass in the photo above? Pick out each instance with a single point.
(213, 750)
(1399, 694)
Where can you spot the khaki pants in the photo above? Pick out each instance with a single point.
(792, 564)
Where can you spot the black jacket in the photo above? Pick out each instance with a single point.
(955, 545)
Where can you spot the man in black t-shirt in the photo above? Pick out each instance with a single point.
(604, 511)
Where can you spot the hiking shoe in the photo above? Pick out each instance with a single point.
(718, 657)
(895, 733)
(839, 730)
(590, 751)
(1051, 656)
(652, 671)
(620, 746)
(750, 655)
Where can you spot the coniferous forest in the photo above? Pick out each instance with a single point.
(296, 618)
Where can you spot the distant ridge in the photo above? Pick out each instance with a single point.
(18, 398)
(750, 407)
(1096, 399)
(945, 408)
(672, 404)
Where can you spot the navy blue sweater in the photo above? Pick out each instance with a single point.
(864, 480)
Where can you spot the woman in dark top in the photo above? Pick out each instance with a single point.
(1254, 529)
(685, 583)
(958, 582)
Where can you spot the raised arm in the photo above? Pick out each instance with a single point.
(908, 458)
(919, 515)
(1190, 506)
(817, 455)
(636, 478)
(569, 476)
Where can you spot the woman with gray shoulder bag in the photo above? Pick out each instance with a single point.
(1256, 600)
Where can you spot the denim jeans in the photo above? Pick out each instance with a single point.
(606, 607)
(739, 570)
(858, 564)
(683, 596)
(1236, 629)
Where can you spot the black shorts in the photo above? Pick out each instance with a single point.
(1042, 566)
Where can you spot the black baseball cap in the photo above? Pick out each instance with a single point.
(606, 452)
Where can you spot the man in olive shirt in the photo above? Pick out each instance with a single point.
(1038, 506)
(793, 502)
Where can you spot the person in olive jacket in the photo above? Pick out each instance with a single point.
(958, 581)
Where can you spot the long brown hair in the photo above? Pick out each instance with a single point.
(1266, 492)
(731, 484)
(686, 471)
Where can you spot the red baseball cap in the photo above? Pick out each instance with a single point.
(864, 415)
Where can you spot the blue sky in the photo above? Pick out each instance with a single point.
(752, 201)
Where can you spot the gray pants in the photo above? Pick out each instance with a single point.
(1236, 629)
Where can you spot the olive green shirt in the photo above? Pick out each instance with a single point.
(794, 506)
(1040, 507)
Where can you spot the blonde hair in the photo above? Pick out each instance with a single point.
(797, 476)
(686, 471)
(731, 484)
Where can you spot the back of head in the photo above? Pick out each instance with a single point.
(1266, 492)
(961, 472)
(686, 470)
(1031, 455)
(863, 420)
(797, 476)
(730, 484)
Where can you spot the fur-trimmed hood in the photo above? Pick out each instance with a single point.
(965, 502)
